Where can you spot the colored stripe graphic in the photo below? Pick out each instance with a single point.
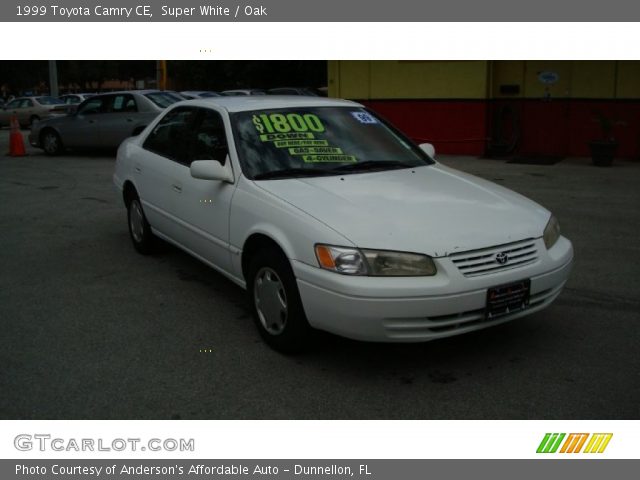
(574, 443)
(550, 442)
(598, 442)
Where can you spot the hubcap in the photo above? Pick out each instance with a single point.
(50, 142)
(270, 301)
(136, 221)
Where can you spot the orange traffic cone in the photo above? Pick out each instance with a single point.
(16, 141)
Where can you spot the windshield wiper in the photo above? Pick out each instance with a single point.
(372, 165)
(293, 172)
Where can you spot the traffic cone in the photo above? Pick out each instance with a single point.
(16, 141)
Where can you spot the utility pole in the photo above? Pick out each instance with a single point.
(53, 78)
(161, 74)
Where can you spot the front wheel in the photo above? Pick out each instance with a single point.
(51, 143)
(139, 228)
(276, 304)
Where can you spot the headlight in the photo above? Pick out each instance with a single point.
(551, 232)
(378, 263)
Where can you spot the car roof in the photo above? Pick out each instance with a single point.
(139, 92)
(247, 103)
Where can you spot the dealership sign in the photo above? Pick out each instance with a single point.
(548, 78)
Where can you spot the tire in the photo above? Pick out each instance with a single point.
(51, 142)
(276, 304)
(139, 228)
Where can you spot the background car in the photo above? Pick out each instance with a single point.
(243, 92)
(75, 98)
(30, 110)
(101, 121)
(191, 94)
(309, 92)
(72, 100)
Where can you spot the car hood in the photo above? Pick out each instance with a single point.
(432, 209)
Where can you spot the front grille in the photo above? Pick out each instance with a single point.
(441, 325)
(484, 261)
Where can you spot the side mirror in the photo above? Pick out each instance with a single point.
(428, 149)
(212, 170)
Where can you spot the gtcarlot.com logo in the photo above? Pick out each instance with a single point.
(45, 442)
(574, 443)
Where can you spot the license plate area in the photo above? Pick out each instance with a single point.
(506, 299)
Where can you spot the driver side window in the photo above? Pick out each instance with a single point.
(91, 106)
(173, 136)
(210, 137)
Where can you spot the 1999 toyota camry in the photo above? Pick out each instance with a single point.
(332, 219)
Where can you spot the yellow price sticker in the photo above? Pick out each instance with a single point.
(329, 159)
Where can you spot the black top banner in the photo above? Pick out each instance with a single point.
(319, 11)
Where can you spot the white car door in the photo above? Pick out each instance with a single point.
(206, 204)
(157, 170)
(192, 212)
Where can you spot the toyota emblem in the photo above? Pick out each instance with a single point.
(502, 258)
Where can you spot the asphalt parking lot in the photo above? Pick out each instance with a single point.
(92, 330)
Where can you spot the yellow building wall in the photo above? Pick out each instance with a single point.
(482, 79)
(593, 79)
(606, 79)
(408, 79)
(628, 82)
(349, 79)
(509, 72)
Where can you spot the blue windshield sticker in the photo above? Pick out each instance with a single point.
(364, 117)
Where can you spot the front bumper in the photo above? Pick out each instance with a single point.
(416, 309)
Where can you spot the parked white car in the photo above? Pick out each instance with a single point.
(334, 220)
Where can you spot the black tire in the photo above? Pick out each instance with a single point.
(295, 334)
(139, 228)
(51, 142)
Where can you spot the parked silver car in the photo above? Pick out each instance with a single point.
(243, 91)
(101, 121)
(193, 94)
(75, 98)
(30, 110)
(303, 91)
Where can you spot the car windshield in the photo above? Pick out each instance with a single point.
(163, 99)
(310, 141)
(49, 101)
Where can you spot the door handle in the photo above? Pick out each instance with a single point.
(129, 119)
(176, 188)
(92, 121)
(137, 169)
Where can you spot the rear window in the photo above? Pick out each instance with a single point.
(163, 99)
(49, 101)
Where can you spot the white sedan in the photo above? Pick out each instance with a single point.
(332, 219)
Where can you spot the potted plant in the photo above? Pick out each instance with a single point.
(604, 149)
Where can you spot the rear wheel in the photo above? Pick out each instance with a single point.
(51, 142)
(276, 304)
(139, 228)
